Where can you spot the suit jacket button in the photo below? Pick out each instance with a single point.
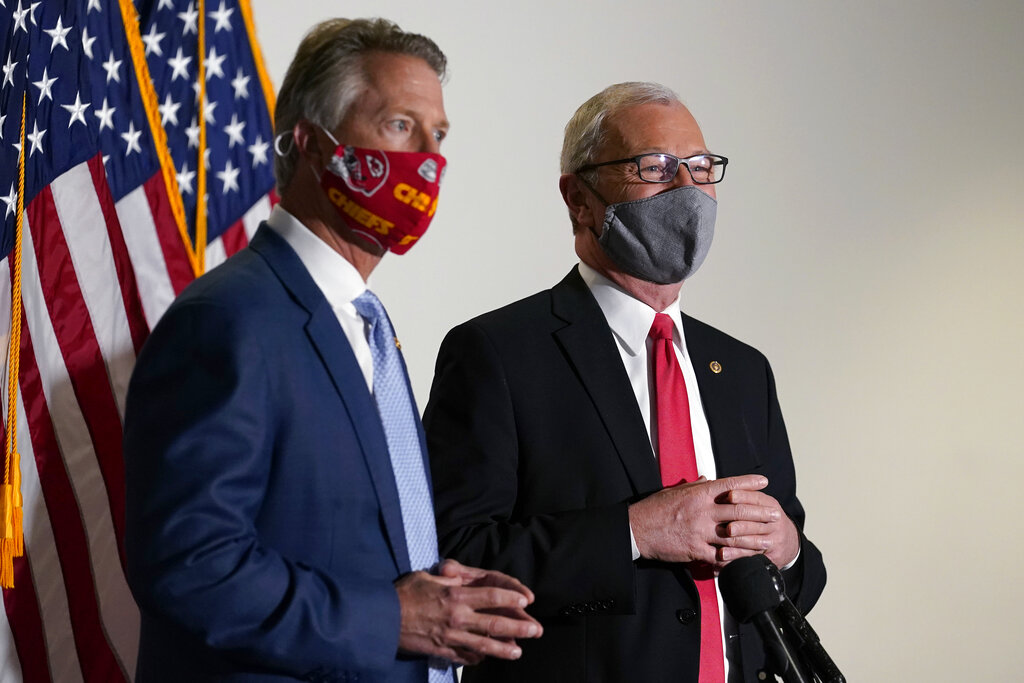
(686, 616)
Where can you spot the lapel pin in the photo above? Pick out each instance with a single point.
(398, 344)
(716, 367)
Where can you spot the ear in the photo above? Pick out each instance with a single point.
(577, 197)
(307, 141)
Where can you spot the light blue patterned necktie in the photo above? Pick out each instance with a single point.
(398, 417)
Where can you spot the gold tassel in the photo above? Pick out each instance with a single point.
(17, 504)
(6, 510)
(12, 542)
(6, 564)
(7, 542)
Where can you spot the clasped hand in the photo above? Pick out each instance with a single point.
(464, 614)
(714, 522)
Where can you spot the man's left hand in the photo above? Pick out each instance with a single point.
(473, 576)
(778, 540)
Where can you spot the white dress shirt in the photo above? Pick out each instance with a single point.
(338, 279)
(630, 320)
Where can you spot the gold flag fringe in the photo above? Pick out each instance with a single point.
(11, 504)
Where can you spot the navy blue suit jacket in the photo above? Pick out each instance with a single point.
(264, 531)
(538, 447)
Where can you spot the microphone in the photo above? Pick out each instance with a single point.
(753, 589)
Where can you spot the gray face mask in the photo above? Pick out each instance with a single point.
(661, 239)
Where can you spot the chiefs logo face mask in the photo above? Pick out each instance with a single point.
(387, 198)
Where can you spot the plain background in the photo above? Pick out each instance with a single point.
(869, 241)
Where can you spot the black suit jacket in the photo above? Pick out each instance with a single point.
(538, 446)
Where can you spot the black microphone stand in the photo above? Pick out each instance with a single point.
(783, 660)
(755, 592)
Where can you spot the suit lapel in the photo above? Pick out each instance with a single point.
(721, 402)
(588, 344)
(332, 346)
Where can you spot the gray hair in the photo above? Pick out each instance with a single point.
(585, 133)
(327, 75)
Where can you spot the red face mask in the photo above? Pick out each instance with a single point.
(387, 198)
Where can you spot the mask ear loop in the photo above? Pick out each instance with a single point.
(328, 133)
(284, 144)
(592, 189)
(287, 137)
(317, 173)
(597, 194)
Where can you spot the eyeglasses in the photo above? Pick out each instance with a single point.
(704, 169)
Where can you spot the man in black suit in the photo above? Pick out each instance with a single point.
(554, 425)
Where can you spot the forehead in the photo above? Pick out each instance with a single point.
(399, 83)
(651, 128)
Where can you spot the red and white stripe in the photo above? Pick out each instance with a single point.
(238, 236)
(90, 295)
(156, 248)
(71, 616)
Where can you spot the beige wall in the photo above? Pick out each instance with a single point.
(870, 241)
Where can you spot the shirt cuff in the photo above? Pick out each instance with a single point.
(636, 551)
(790, 565)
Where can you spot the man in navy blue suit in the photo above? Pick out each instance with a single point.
(280, 524)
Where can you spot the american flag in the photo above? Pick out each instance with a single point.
(114, 133)
(238, 153)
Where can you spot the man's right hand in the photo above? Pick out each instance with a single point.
(684, 523)
(464, 614)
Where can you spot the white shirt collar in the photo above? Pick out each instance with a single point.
(333, 274)
(629, 318)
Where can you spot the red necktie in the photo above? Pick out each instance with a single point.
(678, 464)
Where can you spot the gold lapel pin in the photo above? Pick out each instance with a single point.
(716, 367)
(398, 344)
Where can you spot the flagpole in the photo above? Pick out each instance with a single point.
(201, 168)
(147, 92)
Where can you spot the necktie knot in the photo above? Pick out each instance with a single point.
(661, 328)
(372, 311)
(369, 306)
